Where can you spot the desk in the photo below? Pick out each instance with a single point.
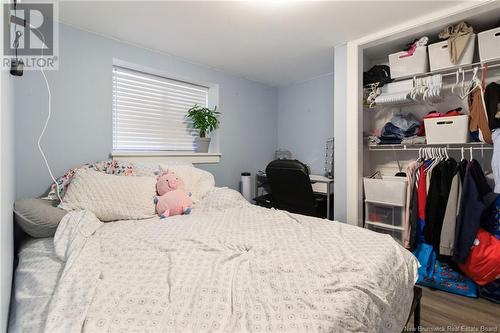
(320, 185)
(323, 185)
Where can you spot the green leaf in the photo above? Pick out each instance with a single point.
(204, 119)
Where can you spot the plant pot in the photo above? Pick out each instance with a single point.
(202, 145)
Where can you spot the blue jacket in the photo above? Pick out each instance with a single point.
(477, 198)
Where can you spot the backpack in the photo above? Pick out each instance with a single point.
(483, 263)
(378, 73)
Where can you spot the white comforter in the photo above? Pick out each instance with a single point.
(229, 266)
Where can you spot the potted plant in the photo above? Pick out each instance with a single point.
(205, 120)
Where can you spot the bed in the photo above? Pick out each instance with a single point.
(228, 266)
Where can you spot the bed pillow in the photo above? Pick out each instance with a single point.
(153, 169)
(111, 197)
(198, 182)
(113, 167)
(39, 218)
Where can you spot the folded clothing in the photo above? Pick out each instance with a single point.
(389, 141)
(414, 140)
(400, 127)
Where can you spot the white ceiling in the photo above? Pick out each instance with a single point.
(274, 42)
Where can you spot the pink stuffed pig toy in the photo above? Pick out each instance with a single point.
(173, 198)
(168, 181)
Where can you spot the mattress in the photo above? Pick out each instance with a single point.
(228, 266)
(34, 283)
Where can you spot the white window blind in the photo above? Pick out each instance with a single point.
(149, 112)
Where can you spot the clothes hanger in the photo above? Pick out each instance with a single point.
(472, 84)
(374, 93)
(431, 158)
(462, 87)
(413, 92)
(420, 155)
(456, 83)
(399, 173)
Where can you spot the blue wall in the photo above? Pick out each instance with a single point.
(305, 120)
(80, 130)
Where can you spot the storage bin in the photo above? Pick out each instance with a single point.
(447, 129)
(439, 54)
(394, 233)
(489, 44)
(388, 190)
(384, 214)
(402, 65)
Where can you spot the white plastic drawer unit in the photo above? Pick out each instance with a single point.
(402, 64)
(384, 215)
(489, 44)
(439, 54)
(447, 129)
(394, 233)
(386, 191)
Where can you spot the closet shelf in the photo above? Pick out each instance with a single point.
(451, 71)
(416, 147)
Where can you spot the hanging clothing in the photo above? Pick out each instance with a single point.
(413, 217)
(410, 176)
(447, 240)
(477, 197)
(491, 222)
(478, 116)
(422, 197)
(429, 176)
(458, 36)
(492, 99)
(437, 198)
(495, 159)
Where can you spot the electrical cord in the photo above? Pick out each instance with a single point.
(49, 114)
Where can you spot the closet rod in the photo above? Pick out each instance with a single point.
(468, 70)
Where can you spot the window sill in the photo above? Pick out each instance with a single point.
(165, 156)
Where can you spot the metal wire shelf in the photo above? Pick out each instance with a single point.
(416, 147)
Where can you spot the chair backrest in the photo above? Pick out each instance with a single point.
(291, 188)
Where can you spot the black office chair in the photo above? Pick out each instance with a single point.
(291, 188)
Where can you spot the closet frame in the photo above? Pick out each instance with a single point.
(356, 63)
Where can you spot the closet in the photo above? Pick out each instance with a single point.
(436, 90)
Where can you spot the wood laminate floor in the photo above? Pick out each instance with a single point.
(441, 309)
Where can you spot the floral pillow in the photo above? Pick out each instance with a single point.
(106, 166)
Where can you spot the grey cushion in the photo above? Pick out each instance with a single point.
(38, 217)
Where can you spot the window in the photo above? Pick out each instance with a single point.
(149, 112)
